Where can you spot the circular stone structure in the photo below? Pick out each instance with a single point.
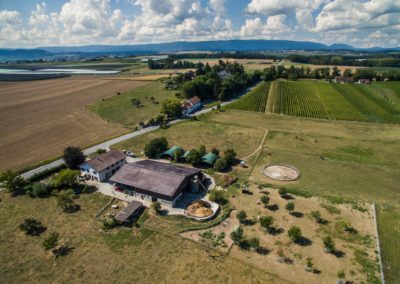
(199, 209)
(281, 172)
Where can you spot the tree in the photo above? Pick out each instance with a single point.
(289, 207)
(266, 222)
(218, 197)
(221, 164)
(329, 245)
(13, 182)
(156, 207)
(202, 150)
(172, 108)
(51, 241)
(282, 192)
(347, 73)
(215, 151)
(294, 234)
(66, 203)
(194, 157)
(265, 200)
(237, 235)
(230, 156)
(73, 157)
(32, 227)
(253, 243)
(155, 147)
(66, 178)
(178, 154)
(241, 216)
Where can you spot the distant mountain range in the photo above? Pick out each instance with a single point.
(222, 46)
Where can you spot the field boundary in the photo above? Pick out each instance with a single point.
(378, 246)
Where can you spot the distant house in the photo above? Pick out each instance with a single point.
(103, 166)
(156, 181)
(192, 105)
(341, 79)
(364, 81)
(223, 74)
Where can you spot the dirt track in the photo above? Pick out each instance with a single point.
(38, 119)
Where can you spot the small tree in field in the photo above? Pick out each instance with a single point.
(316, 215)
(329, 245)
(32, 227)
(155, 147)
(254, 243)
(309, 264)
(241, 216)
(283, 192)
(221, 164)
(265, 200)
(294, 234)
(266, 222)
(51, 241)
(290, 207)
(237, 235)
(73, 157)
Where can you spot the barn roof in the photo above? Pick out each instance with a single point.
(209, 158)
(157, 179)
(170, 152)
(125, 213)
(105, 160)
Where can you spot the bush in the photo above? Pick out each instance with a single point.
(241, 216)
(40, 190)
(46, 173)
(266, 222)
(237, 235)
(316, 215)
(329, 245)
(12, 181)
(283, 192)
(289, 206)
(218, 197)
(110, 223)
(155, 147)
(101, 151)
(202, 150)
(230, 156)
(66, 178)
(172, 108)
(294, 234)
(193, 157)
(32, 227)
(265, 200)
(51, 241)
(73, 157)
(156, 207)
(66, 203)
(253, 243)
(221, 164)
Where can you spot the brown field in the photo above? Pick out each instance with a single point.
(38, 119)
(151, 77)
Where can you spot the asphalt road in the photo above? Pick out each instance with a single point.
(107, 144)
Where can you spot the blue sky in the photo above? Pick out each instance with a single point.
(361, 23)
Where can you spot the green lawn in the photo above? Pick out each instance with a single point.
(120, 109)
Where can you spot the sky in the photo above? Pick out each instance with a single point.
(360, 23)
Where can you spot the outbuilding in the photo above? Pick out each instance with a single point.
(169, 154)
(209, 159)
(103, 166)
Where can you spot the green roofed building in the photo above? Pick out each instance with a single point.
(169, 154)
(209, 159)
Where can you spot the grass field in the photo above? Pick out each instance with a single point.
(122, 255)
(192, 134)
(39, 119)
(255, 100)
(373, 103)
(389, 234)
(120, 109)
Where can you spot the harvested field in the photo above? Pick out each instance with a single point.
(39, 119)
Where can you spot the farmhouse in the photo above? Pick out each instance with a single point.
(157, 181)
(192, 105)
(341, 79)
(104, 166)
(363, 81)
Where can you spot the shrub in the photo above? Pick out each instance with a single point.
(309, 264)
(283, 192)
(32, 227)
(241, 216)
(66, 178)
(109, 223)
(12, 181)
(221, 164)
(51, 241)
(329, 245)
(46, 173)
(40, 190)
(193, 157)
(237, 235)
(215, 151)
(218, 197)
(155, 147)
(202, 150)
(265, 200)
(316, 215)
(253, 243)
(289, 206)
(156, 207)
(294, 234)
(341, 274)
(73, 157)
(101, 151)
(230, 156)
(266, 222)
(66, 203)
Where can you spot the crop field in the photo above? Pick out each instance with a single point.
(389, 234)
(120, 109)
(372, 103)
(39, 119)
(255, 100)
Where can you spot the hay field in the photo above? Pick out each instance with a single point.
(39, 119)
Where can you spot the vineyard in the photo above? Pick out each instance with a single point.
(255, 100)
(372, 103)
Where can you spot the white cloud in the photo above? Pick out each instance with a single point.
(9, 18)
(256, 28)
